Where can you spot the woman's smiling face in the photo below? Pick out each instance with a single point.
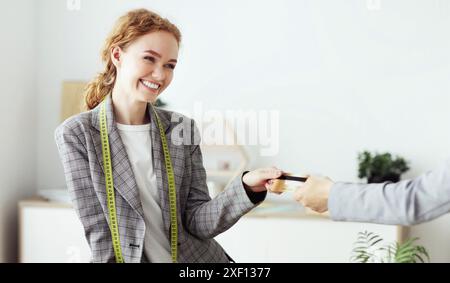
(145, 67)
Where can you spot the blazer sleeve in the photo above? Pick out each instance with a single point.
(73, 155)
(407, 202)
(205, 217)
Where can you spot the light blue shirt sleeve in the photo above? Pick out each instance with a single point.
(407, 202)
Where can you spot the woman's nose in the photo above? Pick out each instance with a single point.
(158, 73)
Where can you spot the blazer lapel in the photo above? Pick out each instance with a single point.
(123, 177)
(159, 164)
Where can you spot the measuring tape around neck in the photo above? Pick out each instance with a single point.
(172, 192)
(110, 188)
(113, 226)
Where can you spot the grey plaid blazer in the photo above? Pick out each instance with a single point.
(200, 219)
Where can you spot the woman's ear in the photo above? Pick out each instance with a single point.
(116, 54)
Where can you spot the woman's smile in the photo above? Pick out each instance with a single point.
(150, 86)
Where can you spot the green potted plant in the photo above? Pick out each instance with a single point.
(369, 249)
(160, 103)
(379, 168)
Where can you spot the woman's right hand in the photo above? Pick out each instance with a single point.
(260, 180)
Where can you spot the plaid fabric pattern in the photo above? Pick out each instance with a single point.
(200, 219)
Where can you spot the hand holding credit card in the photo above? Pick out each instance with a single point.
(285, 183)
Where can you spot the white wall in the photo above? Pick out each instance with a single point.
(344, 77)
(17, 117)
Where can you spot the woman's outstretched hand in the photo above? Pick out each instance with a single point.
(259, 180)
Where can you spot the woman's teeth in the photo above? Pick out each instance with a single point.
(150, 85)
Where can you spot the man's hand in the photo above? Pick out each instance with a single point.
(314, 193)
(259, 180)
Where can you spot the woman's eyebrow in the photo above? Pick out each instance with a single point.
(159, 55)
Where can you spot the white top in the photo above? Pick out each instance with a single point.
(138, 145)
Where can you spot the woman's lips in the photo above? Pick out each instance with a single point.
(153, 90)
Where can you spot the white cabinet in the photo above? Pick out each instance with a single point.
(297, 239)
(50, 232)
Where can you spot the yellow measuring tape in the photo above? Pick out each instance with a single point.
(113, 226)
(110, 188)
(172, 193)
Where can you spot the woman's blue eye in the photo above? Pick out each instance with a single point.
(151, 59)
(171, 66)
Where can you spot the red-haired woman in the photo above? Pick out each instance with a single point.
(140, 194)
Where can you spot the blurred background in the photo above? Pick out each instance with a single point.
(343, 76)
